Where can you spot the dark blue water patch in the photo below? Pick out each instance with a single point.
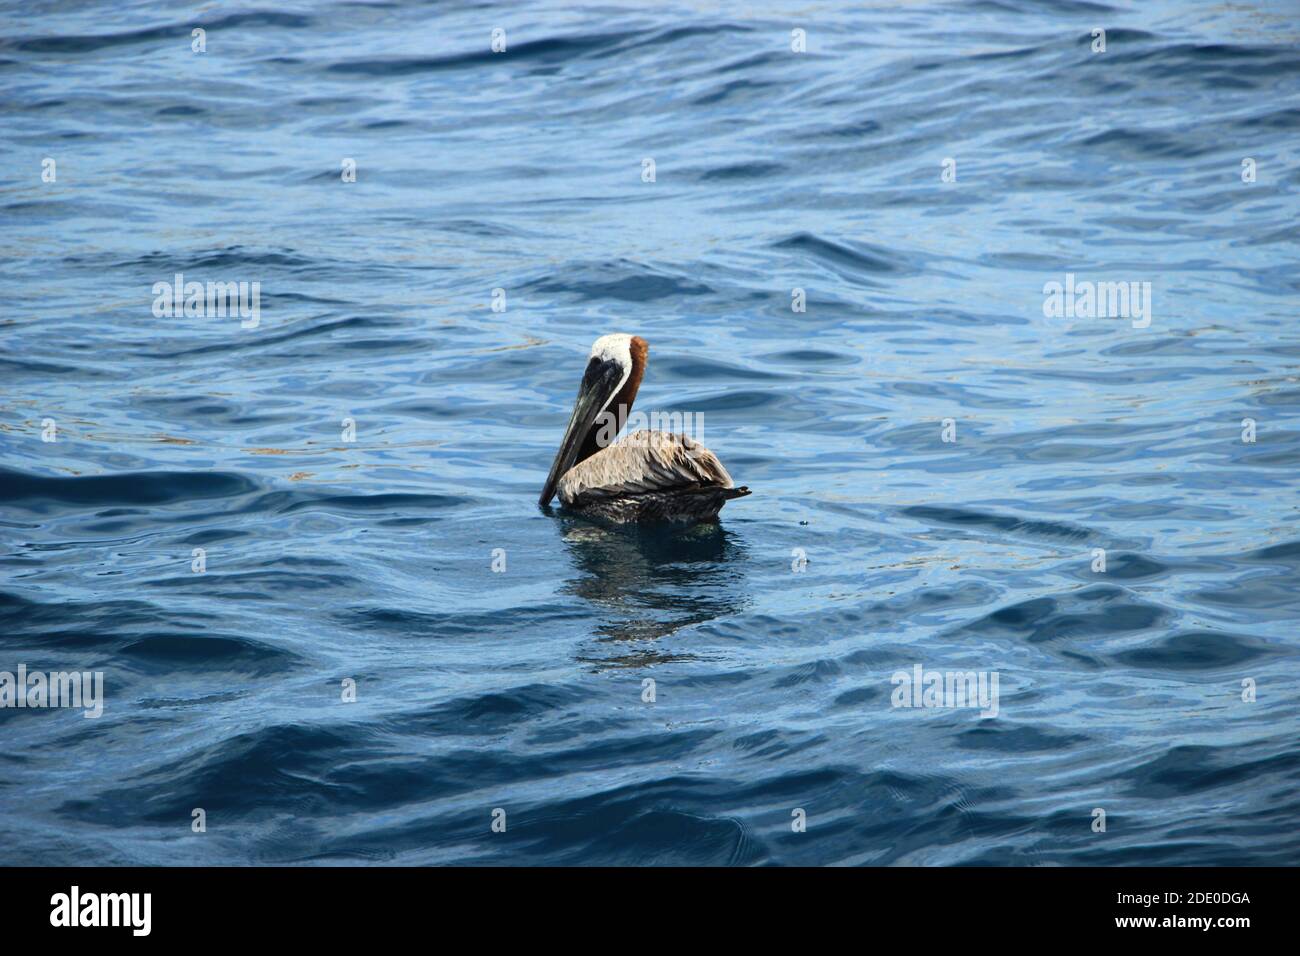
(405, 504)
(690, 368)
(1287, 118)
(953, 395)
(1003, 524)
(486, 229)
(41, 209)
(71, 624)
(854, 130)
(1261, 596)
(87, 43)
(742, 171)
(1018, 740)
(259, 585)
(1195, 651)
(815, 672)
(1198, 60)
(772, 743)
(182, 109)
(14, 368)
(1195, 768)
(164, 263)
(277, 766)
(812, 357)
(214, 411)
(678, 34)
(1142, 144)
(318, 326)
(733, 400)
(1289, 398)
(621, 280)
(42, 494)
(853, 259)
(493, 713)
(1124, 566)
(640, 823)
(927, 606)
(1286, 554)
(459, 623)
(616, 832)
(556, 51)
(1098, 611)
(890, 794)
(860, 697)
(732, 91)
(750, 63)
(204, 653)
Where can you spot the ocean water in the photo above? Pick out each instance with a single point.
(950, 457)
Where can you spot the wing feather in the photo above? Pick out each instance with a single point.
(642, 462)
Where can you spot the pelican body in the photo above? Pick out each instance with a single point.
(649, 476)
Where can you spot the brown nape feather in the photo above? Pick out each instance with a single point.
(621, 404)
(640, 350)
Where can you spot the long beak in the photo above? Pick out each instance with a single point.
(597, 388)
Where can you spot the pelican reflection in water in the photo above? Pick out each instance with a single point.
(654, 581)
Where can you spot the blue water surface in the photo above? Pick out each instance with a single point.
(921, 172)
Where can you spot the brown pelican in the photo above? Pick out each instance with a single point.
(649, 475)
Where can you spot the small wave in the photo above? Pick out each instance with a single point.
(38, 492)
(405, 505)
(1019, 740)
(1006, 524)
(1099, 611)
(858, 258)
(552, 50)
(742, 171)
(620, 279)
(204, 653)
(1195, 650)
(89, 43)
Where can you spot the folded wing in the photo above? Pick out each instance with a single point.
(644, 461)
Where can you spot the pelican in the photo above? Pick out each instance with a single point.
(648, 476)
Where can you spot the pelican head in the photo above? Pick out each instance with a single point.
(609, 385)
